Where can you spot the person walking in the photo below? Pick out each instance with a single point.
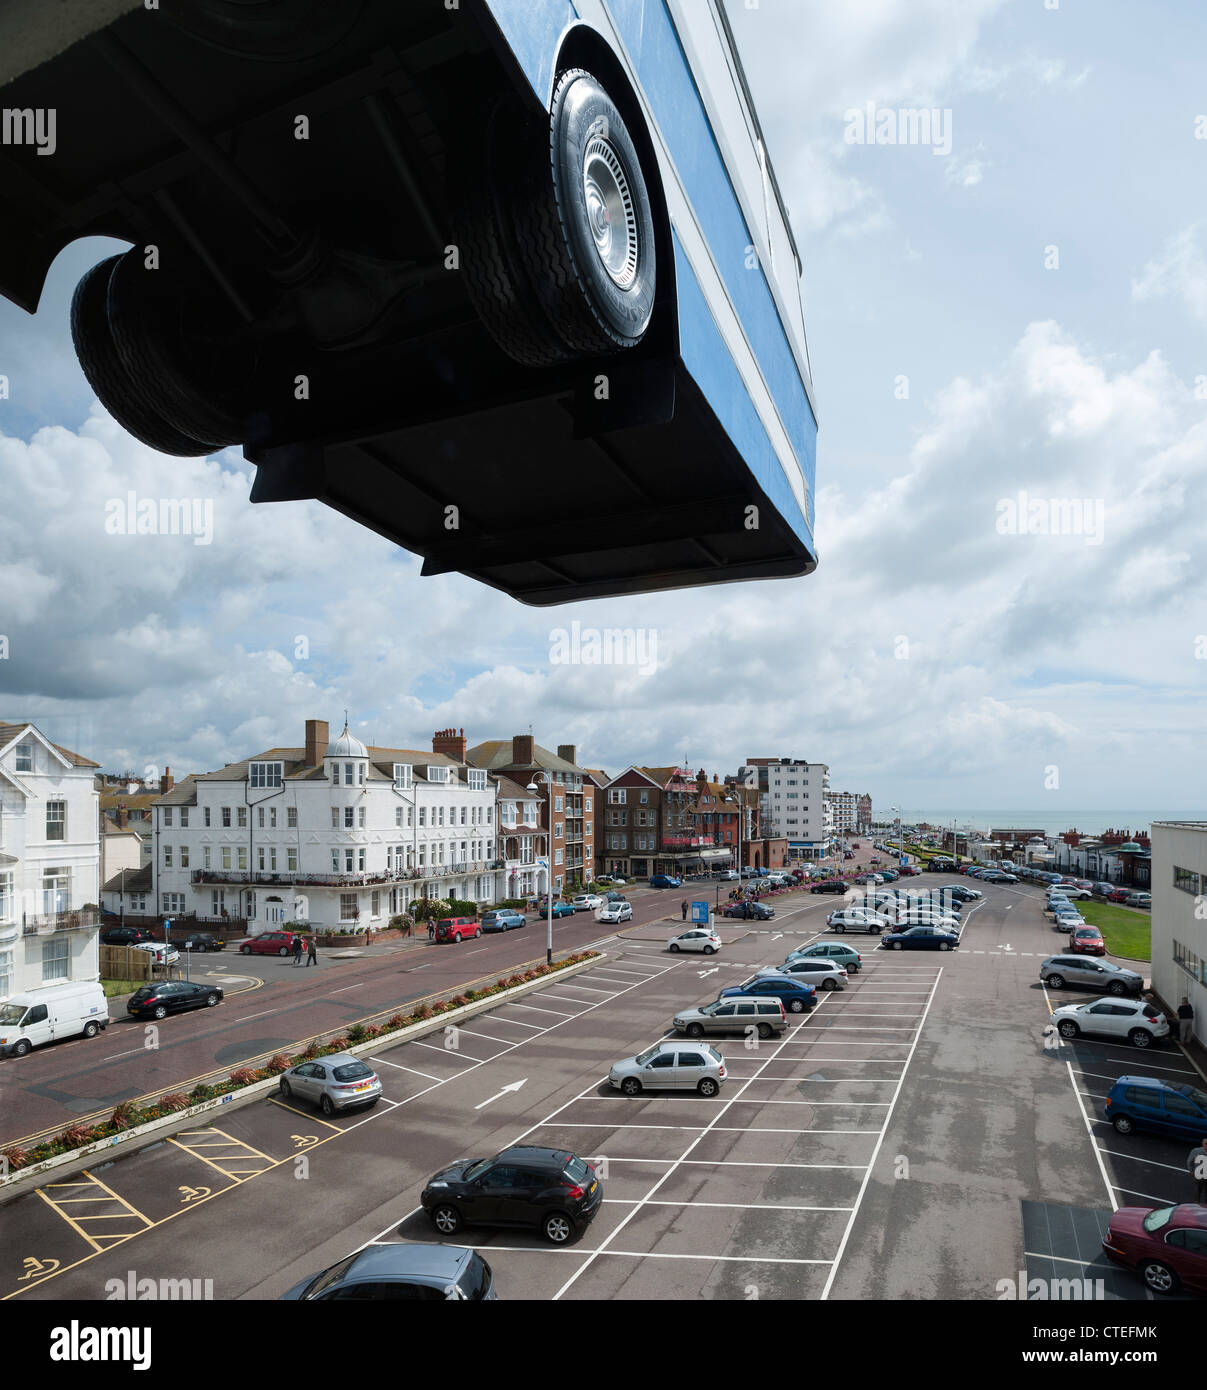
(683, 909)
(1196, 1164)
(297, 950)
(431, 930)
(1185, 1020)
(312, 955)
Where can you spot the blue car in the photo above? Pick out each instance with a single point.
(665, 881)
(794, 995)
(502, 919)
(1143, 1102)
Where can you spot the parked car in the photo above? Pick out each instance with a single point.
(908, 871)
(1136, 1020)
(269, 943)
(857, 919)
(559, 910)
(458, 929)
(1069, 920)
(201, 941)
(124, 936)
(729, 875)
(1166, 1246)
(1102, 890)
(795, 995)
(615, 912)
(736, 1015)
(1087, 941)
(889, 875)
(33, 1017)
(614, 896)
(171, 997)
(832, 885)
(869, 878)
(503, 919)
(395, 1271)
(1083, 972)
(749, 911)
(665, 881)
(555, 1191)
(920, 937)
(587, 902)
(846, 956)
(1138, 900)
(819, 971)
(338, 1082)
(1085, 883)
(1006, 878)
(962, 893)
(1073, 892)
(162, 953)
(1119, 895)
(670, 1066)
(1145, 1102)
(699, 939)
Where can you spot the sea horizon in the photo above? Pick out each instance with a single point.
(1085, 821)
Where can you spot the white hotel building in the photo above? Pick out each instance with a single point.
(1179, 917)
(49, 862)
(334, 833)
(793, 803)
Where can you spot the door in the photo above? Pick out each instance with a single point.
(726, 1018)
(38, 1026)
(1105, 1018)
(306, 1080)
(1083, 971)
(1182, 1117)
(494, 1197)
(689, 1068)
(1186, 1250)
(661, 1073)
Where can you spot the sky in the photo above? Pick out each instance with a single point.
(1023, 313)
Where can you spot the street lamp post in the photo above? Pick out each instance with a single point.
(533, 787)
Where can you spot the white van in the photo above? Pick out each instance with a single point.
(43, 1015)
(164, 955)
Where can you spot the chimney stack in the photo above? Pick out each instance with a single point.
(523, 749)
(450, 742)
(318, 735)
(166, 782)
(123, 818)
(568, 752)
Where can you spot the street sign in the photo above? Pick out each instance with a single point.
(700, 911)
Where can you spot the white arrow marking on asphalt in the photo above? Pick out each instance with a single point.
(775, 935)
(702, 973)
(515, 1086)
(1007, 948)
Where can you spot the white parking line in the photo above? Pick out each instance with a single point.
(717, 1129)
(561, 998)
(536, 1009)
(729, 1206)
(1152, 1162)
(490, 1037)
(724, 1163)
(382, 1062)
(449, 1052)
(642, 1255)
(572, 985)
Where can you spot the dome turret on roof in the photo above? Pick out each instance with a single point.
(347, 746)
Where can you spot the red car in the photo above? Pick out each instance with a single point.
(1087, 941)
(907, 871)
(1166, 1246)
(270, 943)
(1118, 895)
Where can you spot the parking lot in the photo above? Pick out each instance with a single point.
(895, 1142)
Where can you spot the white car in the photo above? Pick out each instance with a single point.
(615, 912)
(1134, 1019)
(700, 939)
(923, 918)
(814, 970)
(582, 901)
(1068, 891)
(856, 919)
(729, 875)
(164, 955)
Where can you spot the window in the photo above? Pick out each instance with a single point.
(205, 857)
(587, 830)
(242, 817)
(205, 814)
(349, 856)
(402, 776)
(477, 779)
(557, 830)
(616, 796)
(291, 860)
(348, 910)
(226, 856)
(167, 816)
(440, 814)
(462, 816)
(1189, 961)
(557, 857)
(360, 860)
(335, 861)
(242, 864)
(25, 757)
(586, 803)
(423, 816)
(56, 959)
(184, 818)
(167, 856)
(489, 812)
(173, 902)
(1185, 879)
(558, 803)
(375, 904)
(184, 856)
(226, 817)
(437, 774)
(360, 817)
(56, 820)
(644, 798)
(291, 817)
(260, 817)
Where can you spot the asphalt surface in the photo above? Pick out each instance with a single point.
(898, 1142)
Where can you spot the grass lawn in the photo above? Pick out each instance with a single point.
(114, 987)
(1126, 931)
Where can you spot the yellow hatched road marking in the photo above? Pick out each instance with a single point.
(98, 1243)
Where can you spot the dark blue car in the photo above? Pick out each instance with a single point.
(1143, 1102)
(795, 995)
(664, 881)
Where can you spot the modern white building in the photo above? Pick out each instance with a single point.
(850, 812)
(49, 862)
(1179, 916)
(793, 802)
(333, 832)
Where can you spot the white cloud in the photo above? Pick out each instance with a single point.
(1180, 271)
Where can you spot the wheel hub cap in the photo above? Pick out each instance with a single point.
(610, 211)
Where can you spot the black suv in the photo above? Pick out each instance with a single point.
(171, 997)
(200, 941)
(831, 885)
(553, 1190)
(124, 936)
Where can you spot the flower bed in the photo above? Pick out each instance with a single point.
(129, 1116)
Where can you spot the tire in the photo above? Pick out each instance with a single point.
(457, 939)
(896, 945)
(447, 1220)
(796, 1006)
(90, 1030)
(1056, 981)
(21, 1049)
(1159, 1277)
(121, 394)
(327, 1105)
(944, 946)
(829, 984)
(1116, 987)
(675, 948)
(695, 1030)
(1140, 1037)
(1068, 1029)
(765, 1031)
(557, 1228)
(1124, 1124)
(284, 951)
(283, 1089)
(245, 950)
(478, 933)
(631, 1086)
(211, 1001)
(839, 927)
(710, 950)
(708, 1087)
(159, 1012)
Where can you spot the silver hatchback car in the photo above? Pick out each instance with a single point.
(338, 1082)
(671, 1066)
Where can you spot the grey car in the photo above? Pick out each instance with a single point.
(338, 1082)
(1085, 972)
(423, 1273)
(846, 956)
(765, 1016)
(671, 1066)
(814, 970)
